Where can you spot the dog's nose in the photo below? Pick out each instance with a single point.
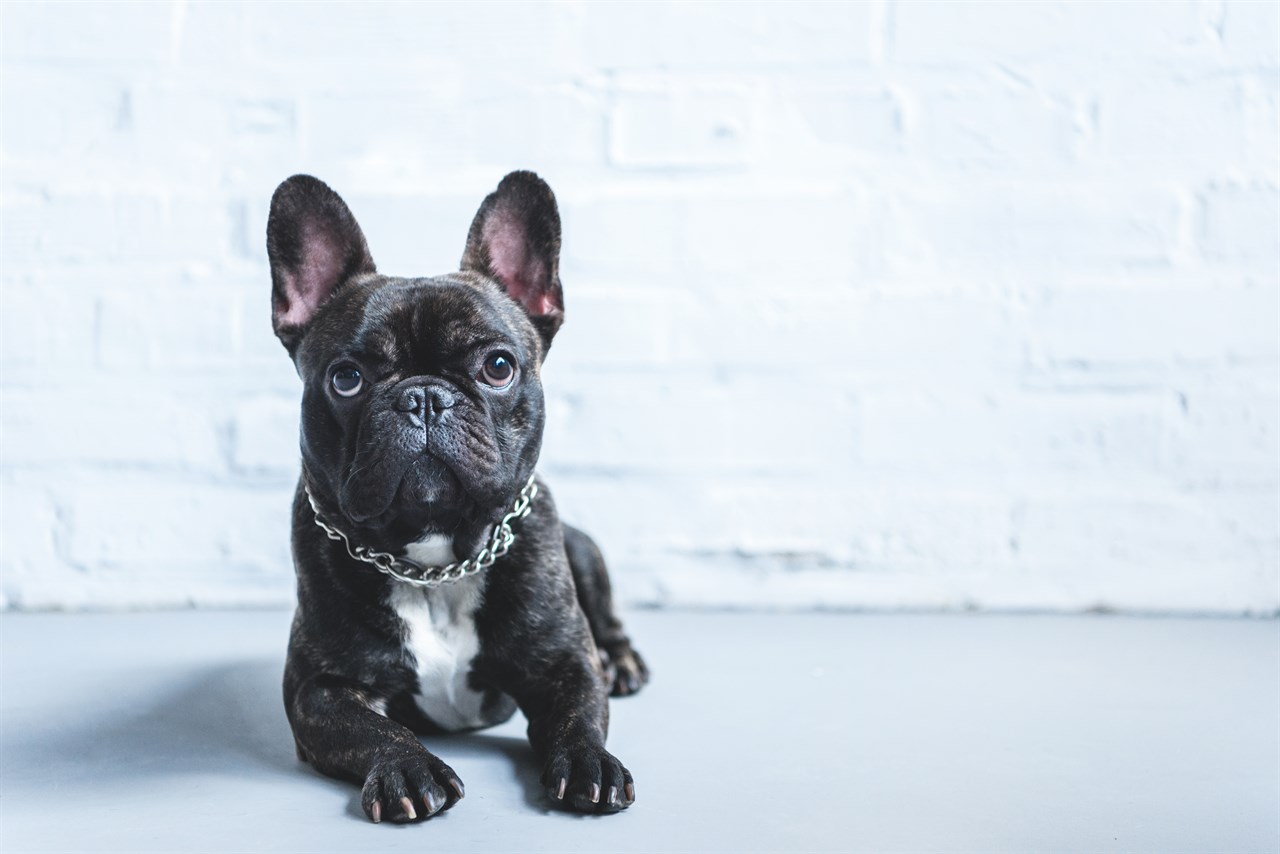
(411, 400)
(440, 399)
(425, 401)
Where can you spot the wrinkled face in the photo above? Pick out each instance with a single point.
(422, 409)
(423, 404)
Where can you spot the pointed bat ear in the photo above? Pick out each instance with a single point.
(515, 239)
(315, 245)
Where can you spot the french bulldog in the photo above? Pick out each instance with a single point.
(438, 590)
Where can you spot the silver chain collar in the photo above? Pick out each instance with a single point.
(410, 572)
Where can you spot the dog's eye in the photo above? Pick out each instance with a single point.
(499, 369)
(347, 380)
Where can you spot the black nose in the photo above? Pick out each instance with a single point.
(430, 401)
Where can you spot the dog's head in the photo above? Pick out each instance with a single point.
(422, 411)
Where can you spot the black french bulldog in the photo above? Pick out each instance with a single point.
(422, 420)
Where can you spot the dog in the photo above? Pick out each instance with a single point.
(438, 590)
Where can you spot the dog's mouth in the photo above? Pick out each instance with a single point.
(426, 493)
(430, 499)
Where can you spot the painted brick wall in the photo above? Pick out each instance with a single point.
(873, 305)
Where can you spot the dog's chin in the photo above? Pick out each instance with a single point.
(433, 503)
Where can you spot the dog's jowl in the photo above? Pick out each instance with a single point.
(437, 588)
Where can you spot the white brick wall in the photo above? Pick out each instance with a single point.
(894, 304)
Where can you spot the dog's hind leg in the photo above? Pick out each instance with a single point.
(625, 668)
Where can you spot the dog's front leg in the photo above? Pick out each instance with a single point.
(340, 730)
(568, 712)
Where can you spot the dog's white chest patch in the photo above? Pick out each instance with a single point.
(431, 550)
(440, 641)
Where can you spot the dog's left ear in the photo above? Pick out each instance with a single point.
(515, 239)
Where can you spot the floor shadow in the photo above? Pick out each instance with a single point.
(524, 767)
(227, 719)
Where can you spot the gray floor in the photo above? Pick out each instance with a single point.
(165, 732)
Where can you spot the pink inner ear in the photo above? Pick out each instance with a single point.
(546, 306)
(313, 282)
(510, 261)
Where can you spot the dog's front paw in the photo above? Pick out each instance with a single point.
(410, 788)
(588, 779)
(624, 669)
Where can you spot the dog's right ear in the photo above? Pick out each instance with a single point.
(315, 245)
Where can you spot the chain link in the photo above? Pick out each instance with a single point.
(403, 569)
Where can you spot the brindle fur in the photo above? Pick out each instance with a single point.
(549, 638)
